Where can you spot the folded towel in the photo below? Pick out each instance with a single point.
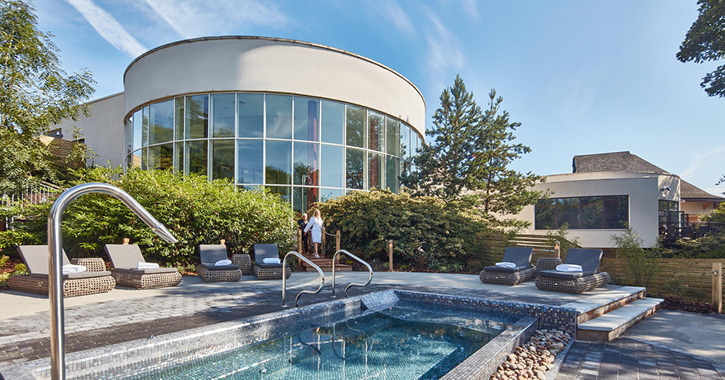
(145, 265)
(506, 265)
(569, 268)
(70, 268)
(271, 260)
(223, 262)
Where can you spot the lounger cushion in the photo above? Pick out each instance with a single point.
(147, 271)
(219, 267)
(36, 258)
(124, 256)
(521, 256)
(588, 258)
(211, 253)
(268, 265)
(564, 275)
(265, 251)
(75, 276)
(504, 269)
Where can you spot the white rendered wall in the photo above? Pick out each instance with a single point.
(271, 65)
(103, 130)
(643, 192)
(697, 208)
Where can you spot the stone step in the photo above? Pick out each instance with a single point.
(612, 324)
(605, 302)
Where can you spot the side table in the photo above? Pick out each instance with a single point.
(92, 264)
(547, 263)
(244, 262)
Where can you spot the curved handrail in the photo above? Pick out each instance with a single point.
(351, 284)
(284, 277)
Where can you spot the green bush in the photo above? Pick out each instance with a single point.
(427, 233)
(195, 210)
(707, 247)
(642, 265)
(565, 242)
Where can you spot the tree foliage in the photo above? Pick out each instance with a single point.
(35, 93)
(195, 210)
(642, 265)
(427, 233)
(705, 41)
(469, 155)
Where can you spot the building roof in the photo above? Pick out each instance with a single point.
(613, 162)
(691, 193)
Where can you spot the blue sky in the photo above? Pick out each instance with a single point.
(582, 77)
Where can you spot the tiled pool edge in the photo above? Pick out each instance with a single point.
(484, 362)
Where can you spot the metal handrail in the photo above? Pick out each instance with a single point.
(351, 284)
(55, 250)
(284, 277)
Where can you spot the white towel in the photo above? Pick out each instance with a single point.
(145, 265)
(223, 262)
(569, 268)
(70, 268)
(506, 265)
(270, 260)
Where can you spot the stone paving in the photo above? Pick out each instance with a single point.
(94, 325)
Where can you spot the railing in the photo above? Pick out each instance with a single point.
(351, 284)
(284, 277)
(34, 193)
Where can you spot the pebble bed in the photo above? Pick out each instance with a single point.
(532, 360)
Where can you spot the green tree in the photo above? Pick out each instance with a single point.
(705, 41)
(469, 155)
(35, 93)
(642, 265)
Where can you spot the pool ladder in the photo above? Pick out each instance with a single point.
(284, 277)
(351, 284)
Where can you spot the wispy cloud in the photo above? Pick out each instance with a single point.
(712, 157)
(193, 18)
(396, 14)
(108, 28)
(471, 9)
(444, 53)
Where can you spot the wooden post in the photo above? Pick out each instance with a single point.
(322, 243)
(557, 249)
(717, 287)
(299, 241)
(126, 241)
(223, 242)
(390, 256)
(337, 243)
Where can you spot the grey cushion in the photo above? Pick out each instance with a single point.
(219, 267)
(564, 275)
(36, 258)
(211, 253)
(588, 258)
(268, 265)
(503, 269)
(147, 271)
(124, 256)
(521, 256)
(79, 275)
(265, 251)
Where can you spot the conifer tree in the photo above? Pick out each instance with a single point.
(705, 41)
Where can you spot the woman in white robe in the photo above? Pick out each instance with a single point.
(315, 224)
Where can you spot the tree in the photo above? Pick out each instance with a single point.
(705, 41)
(35, 93)
(469, 155)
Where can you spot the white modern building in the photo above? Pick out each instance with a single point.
(607, 191)
(307, 121)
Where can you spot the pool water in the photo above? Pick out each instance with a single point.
(402, 342)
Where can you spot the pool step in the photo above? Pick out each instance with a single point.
(615, 322)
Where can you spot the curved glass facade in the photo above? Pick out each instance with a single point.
(306, 149)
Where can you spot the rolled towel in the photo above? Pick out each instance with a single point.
(569, 268)
(271, 260)
(223, 262)
(70, 268)
(506, 265)
(145, 265)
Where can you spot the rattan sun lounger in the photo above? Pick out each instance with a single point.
(210, 254)
(125, 258)
(267, 271)
(575, 282)
(521, 256)
(74, 284)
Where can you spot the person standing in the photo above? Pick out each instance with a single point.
(315, 224)
(302, 223)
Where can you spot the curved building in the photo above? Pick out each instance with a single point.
(307, 121)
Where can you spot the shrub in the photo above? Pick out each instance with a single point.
(565, 242)
(642, 265)
(195, 210)
(427, 232)
(707, 247)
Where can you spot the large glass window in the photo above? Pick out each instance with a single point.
(282, 191)
(332, 166)
(392, 136)
(145, 127)
(307, 119)
(306, 169)
(375, 170)
(356, 123)
(327, 194)
(179, 118)
(602, 212)
(333, 122)
(161, 157)
(197, 117)
(222, 163)
(279, 116)
(222, 106)
(355, 162)
(161, 122)
(405, 142)
(279, 162)
(195, 157)
(376, 137)
(392, 168)
(251, 115)
(304, 198)
(179, 157)
(137, 129)
(250, 165)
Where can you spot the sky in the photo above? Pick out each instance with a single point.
(582, 77)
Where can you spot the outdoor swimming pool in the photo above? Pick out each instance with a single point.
(388, 335)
